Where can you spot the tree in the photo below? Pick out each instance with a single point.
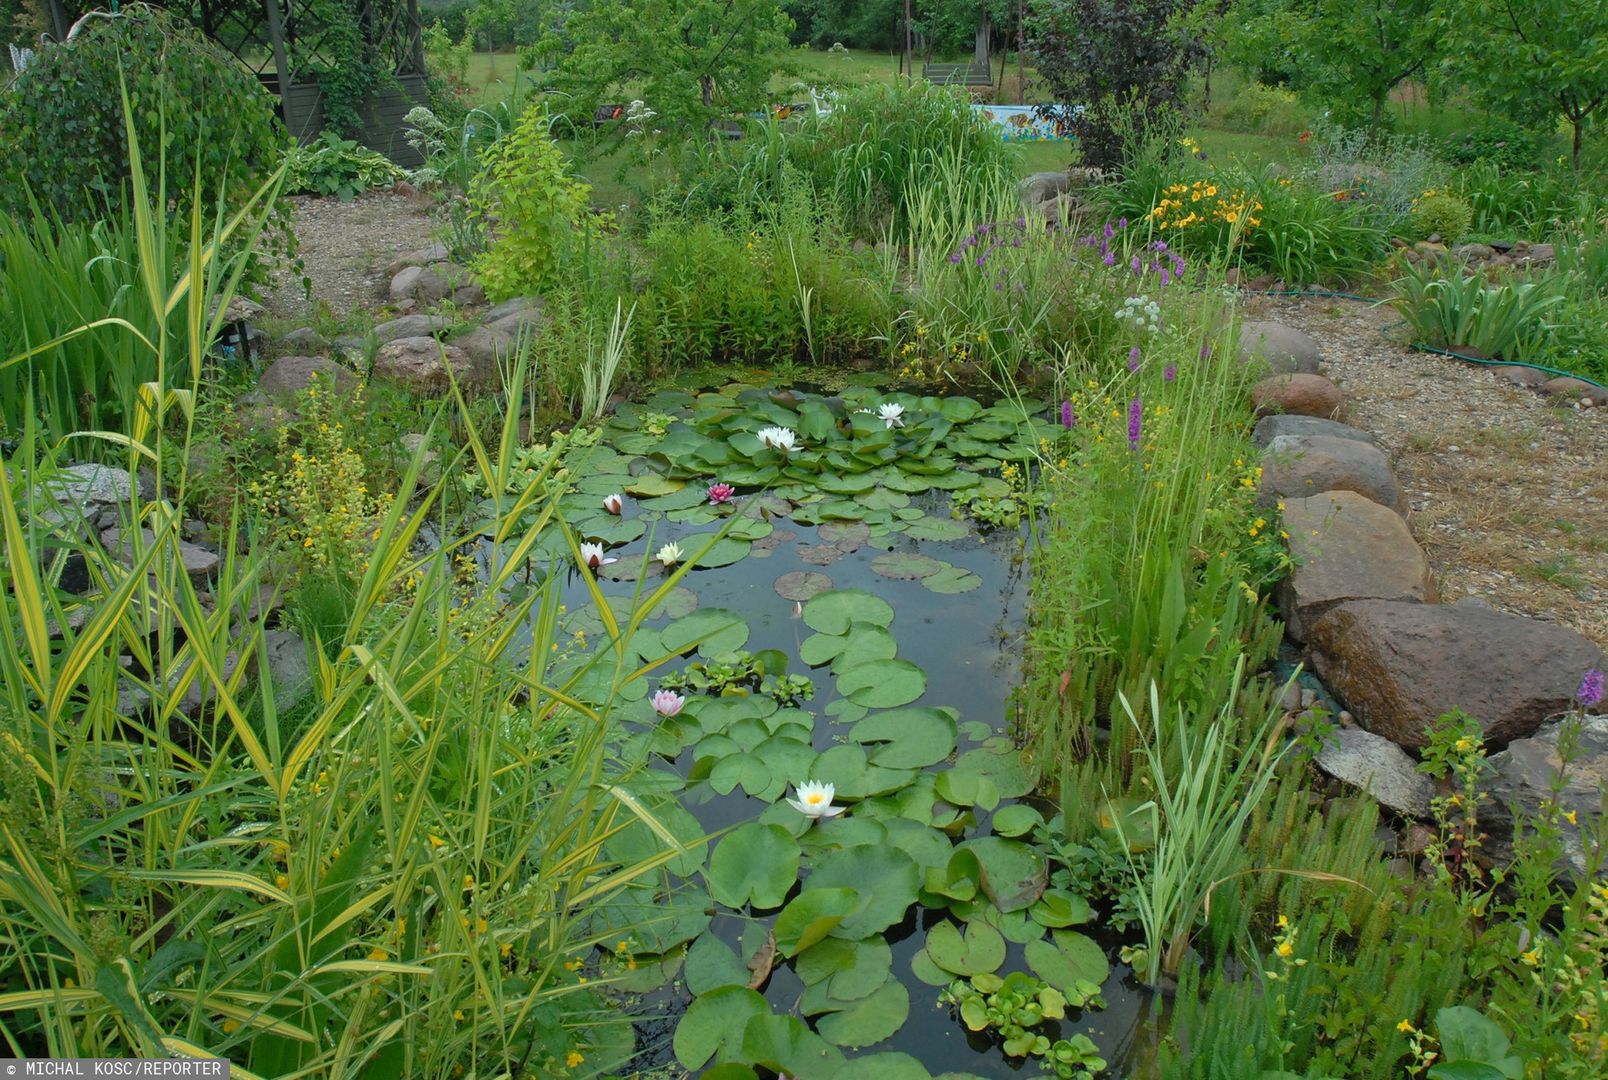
(691, 62)
(1114, 66)
(1358, 51)
(1537, 61)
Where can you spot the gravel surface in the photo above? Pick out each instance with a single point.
(1509, 492)
(345, 248)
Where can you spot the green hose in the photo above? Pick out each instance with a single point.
(1419, 347)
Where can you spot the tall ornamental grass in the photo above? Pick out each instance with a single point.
(393, 877)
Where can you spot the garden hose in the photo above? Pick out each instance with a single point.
(1419, 347)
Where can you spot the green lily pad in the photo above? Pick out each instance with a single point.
(938, 529)
(715, 1022)
(723, 552)
(651, 485)
(846, 535)
(684, 499)
(785, 1045)
(885, 1066)
(849, 970)
(883, 499)
(922, 967)
(886, 878)
(812, 915)
(907, 738)
(755, 864)
(981, 949)
(711, 964)
(753, 775)
(923, 843)
(958, 879)
(1058, 908)
(882, 684)
(1070, 959)
(951, 580)
(850, 484)
(905, 566)
(1014, 874)
(715, 631)
(1017, 819)
(1000, 762)
(819, 554)
(833, 612)
(868, 1020)
(802, 585)
(817, 649)
(862, 644)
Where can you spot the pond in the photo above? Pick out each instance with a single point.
(845, 620)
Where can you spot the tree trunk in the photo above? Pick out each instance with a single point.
(1579, 124)
(1206, 104)
(1379, 106)
(981, 50)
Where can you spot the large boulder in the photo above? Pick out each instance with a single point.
(519, 305)
(428, 284)
(435, 253)
(1521, 779)
(488, 350)
(1300, 466)
(290, 375)
(1397, 665)
(1377, 766)
(522, 315)
(1347, 547)
(1271, 427)
(200, 565)
(1283, 349)
(410, 326)
(1041, 187)
(1301, 395)
(91, 487)
(421, 364)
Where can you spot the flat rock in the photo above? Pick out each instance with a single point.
(304, 340)
(1567, 386)
(428, 284)
(527, 322)
(291, 375)
(90, 487)
(1397, 665)
(1347, 547)
(410, 326)
(1284, 349)
(1377, 766)
(1302, 395)
(519, 305)
(487, 350)
(1519, 375)
(435, 253)
(1271, 427)
(1300, 466)
(288, 669)
(421, 363)
(199, 564)
(1522, 776)
(470, 295)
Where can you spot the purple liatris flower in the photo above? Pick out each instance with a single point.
(1110, 258)
(1069, 419)
(1133, 358)
(1591, 689)
(721, 493)
(1109, 231)
(1122, 223)
(1169, 373)
(1135, 265)
(955, 258)
(1206, 351)
(1136, 420)
(981, 259)
(1166, 278)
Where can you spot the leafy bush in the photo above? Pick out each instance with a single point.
(1519, 204)
(534, 206)
(339, 167)
(63, 119)
(1441, 213)
(1274, 110)
(1509, 320)
(1503, 143)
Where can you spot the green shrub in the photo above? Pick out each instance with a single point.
(336, 166)
(1443, 214)
(62, 120)
(1499, 141)
(535, 206)
(1270, 109)
(1509, 320)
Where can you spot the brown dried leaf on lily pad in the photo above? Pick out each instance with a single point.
(819, 554)
(762, 962)
(801, 584)
(762, 548)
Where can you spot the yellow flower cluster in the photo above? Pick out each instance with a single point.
(1203, 202)
(923, 359)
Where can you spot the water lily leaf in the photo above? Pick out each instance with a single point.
(885, 1066)
(956, 480)
(846, 769)
(959, 879)
(612, 530)
(815, 421)
(730, 1070)
(907, 738)
(951, 580)
(1014, 874)
(883, 499)
(748, 528)
(696, 515)
(658, 922)
(936, 528)
(784, 1045)
(1070, 959)
(651, 485)
(992, 487)
(1014, 925)
(923, 843)
(966, 446)
(819, 554)
(1002, 764)
(956, 408)
(905, 566)
(755, 864)
(846, 484)
(741, 769)
(785, 756)
(711, 964)
(870, 1019)
(833, 612)
(843, 832)
(922, 967)
(724, 552)
(685, 499)
(844, 711)
(841, 510)
(990, 430)
(846, 535)
(801, 585)
(817, 649)
(602, 484)
(678, 602)
(1017, 819)
(715, 631)
(813, 914)
(862, 644)
(789, 723)
(981, 949)
(1058, 908)
(746, 475)
(848, 969)
(714, 1023)
(908, 483)
(881, 684)
(886, 878)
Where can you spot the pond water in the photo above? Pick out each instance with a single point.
(839, 548)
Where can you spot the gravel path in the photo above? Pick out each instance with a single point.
(1509, 493)
(345, 248)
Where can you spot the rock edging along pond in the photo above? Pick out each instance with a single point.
(857, 888)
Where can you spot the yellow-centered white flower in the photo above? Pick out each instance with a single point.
(892, 414)
(778, 438)
(669, 555)
(815, 800)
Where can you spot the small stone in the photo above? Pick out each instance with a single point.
(1344, 718)
(304, 340)
(1377, 766)
(1309, 698)
(1415, 839)
(1290, 700)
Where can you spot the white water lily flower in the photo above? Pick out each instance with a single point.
(592, 555)
(667, 703)
(892, 414)
(669, 555)
(779, 438)
(613, 503)
(815, 800)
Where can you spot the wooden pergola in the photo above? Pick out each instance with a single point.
(286, 45)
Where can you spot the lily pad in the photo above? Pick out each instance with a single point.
(906, 566)
(819, 554)
(817, 649)
(907, 738)
(881, 684)
(981, 949)
(651, 485)
(755, 864)
(861, 645)
(1058, 908)
(1070, 959)
(711, 964)
(812, 915)
(1017, 819)
(1014, 874)
(886, 879)
(951, 580)
(715, 1022)
(845, 535)
(886, 1066)
(802, 585)
(723, 552)
(785, 1045)
(870, 1019)
(848, 969)
(715, 631)
(923, 968)
(833, 612)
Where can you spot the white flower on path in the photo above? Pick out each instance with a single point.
(779, 438)
(667, 703)
(669, 555)
(815, 800)
(592, 555)
(892, 414)
(613, 503)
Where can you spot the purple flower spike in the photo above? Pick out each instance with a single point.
(1133, 358)
(981, 259)
(1136, 420)
(1110, 258)
(1206, 351)
(1161, 245)
(1169, 373)
(1021, 223)
(1135, 265)
(1591, 689)
(1069, 419)
(1122, 223)
(1166, 277)
(955, 258)
(1109, 231)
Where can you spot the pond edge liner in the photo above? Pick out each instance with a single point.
(1418, 346)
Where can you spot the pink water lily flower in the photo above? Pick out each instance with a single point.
(667, 703)
(721, 493)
